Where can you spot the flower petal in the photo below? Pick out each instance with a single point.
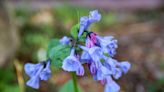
(85, 57)
(117, 73)
(94, 16)
(46, 72)
(65, 40)
(71, 64)
(31, 69)
(80, 71)
(33, 82)
(83, 25)
(125, 66)
(111, 86)
(102, 73)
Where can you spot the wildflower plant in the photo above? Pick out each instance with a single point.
(83, 47)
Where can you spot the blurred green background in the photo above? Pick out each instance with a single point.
(26, 27)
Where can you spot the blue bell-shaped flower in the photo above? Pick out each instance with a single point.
(108, 44)
(85, 57)
(94, 52)
(111, 86)
(65, 40)
(117, 73)
(102, 73)
(94, 16)
(46, 72)
(35, 80)
(80, 71)
(86, 21)
(125, 66)
(83, 25)
(71, 63)
(32, 69)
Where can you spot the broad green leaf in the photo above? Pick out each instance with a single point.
(58, 56)
(57, 52)
(53, 43)
(69, 87)
(74, 31)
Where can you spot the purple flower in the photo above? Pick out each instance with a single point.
(34, 78)
(83, 25)
(94, 16)
(116, 67)
(102, 72)
(46, 72)
(65, 40)
(125, 66)
(93, 68)
(72, 64)
(33, 82)
(86, 21)
(85, 57)
(80, 71)
(32, 69)
(37, 72)
(117, 73)
(108, 44)
(110, 64)
(111, 86)
(94, 52)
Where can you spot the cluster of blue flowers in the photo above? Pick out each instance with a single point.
(97, 53)
(37, 72)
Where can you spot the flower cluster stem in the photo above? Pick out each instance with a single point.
(74, 77)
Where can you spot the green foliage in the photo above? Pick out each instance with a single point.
(36, 40)
(69, 87)
(6, 79)
(57, 52)
(53, 43)
(156, 86)
(83, 37)
(13, 88)
(74, 31)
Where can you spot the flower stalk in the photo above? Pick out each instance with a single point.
(74, 77)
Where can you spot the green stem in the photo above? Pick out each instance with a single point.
(74, 81)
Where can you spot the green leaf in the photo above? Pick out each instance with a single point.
(53, 43)
(83, 37)
(74, 31)
(69, 87)
(57, 52)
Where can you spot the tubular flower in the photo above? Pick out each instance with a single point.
(98, 54)
(72, 64)
(65, 40)
(96, 51)
(111, 85)
(37, 72)
(46, 72)
(86, 21)
(108, 44)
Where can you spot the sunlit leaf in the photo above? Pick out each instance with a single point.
(74, 31)
(57, 52)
